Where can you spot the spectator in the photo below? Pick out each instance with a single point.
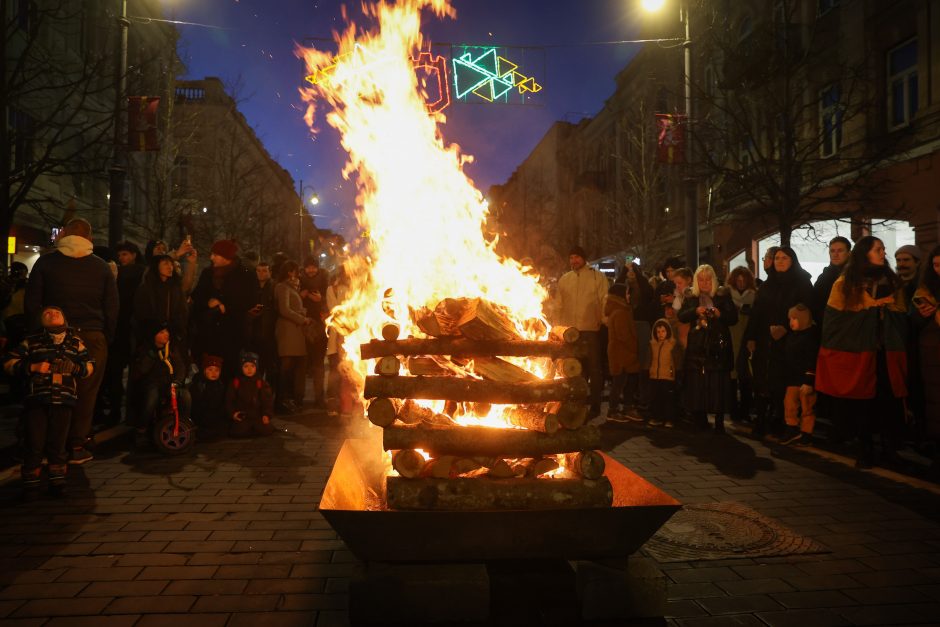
(185, 256)
(767, 261)
(926, 319)
(801, 346)
(262, 318)
(908, 266)
(907, 259)
(157, 366)
(53, 361)
(130, 273)
(709, 357)
(839, 248)
(84, 286)
(787, 284)
(336, 294)
(663, 351)
(290, 327)
(579, 300)
(249, 401)
(742, 289)
(208, 400)
(645, 306)
(862, 359)
(621, 352)
(160, 298)
(682, 278)
(313, 284)
(220, 303)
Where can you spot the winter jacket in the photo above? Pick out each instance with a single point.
(68, 357)
(161, 301)
(851, 339)
(149, 368)
(579, 299)
(821, 290)
(79, 282)
(251, 396)
(218, 333)
(663, 366)
(928, 344)
(621, 336)
(709, 345)
(208, 408)
(291, 316)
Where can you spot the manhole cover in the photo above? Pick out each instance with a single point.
(713, 531)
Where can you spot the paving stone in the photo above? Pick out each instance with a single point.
(161, 604)
(821, 582)
(8, 606)
(812, 599)
(203, 587)
(115, 548)
(804, 618)
(738, 604)
(274, 619)
(735, 620)
(887, 595)
(125, 620)
(285, 586)
(768, 571)
(239, 603)
(754, 586)
(833, 567)
(315, 602)
(683, 609)
(202, 559)
(84, 606)
(892, 614)
(178, 572)
(152, 559)
(255, 571)
(42, 590)
(111, 573)
(183, 620)
(123, 588)
(197, 547)
(693, 590)
(880, 579)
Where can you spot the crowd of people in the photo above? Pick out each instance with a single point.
(859, 347)
(229, 346)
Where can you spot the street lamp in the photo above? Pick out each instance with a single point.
(314, 200)
(118, 169)
(691, 198)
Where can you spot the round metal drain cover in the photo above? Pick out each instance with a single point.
(724, 530)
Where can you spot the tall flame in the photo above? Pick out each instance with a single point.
(422, 218)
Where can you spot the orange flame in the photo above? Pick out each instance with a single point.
(422, 218)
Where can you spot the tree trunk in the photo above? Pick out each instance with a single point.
(489, 441)
(473, 390)
(476, 494)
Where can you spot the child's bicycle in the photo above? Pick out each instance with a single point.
(173, 435)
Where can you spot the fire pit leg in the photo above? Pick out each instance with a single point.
(420, 593)
(620, 589)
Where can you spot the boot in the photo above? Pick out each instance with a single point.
(57, 480)
(791, 435)
(30, 479)
(720, 424)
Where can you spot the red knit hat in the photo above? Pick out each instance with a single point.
(211, 360)
(225, 248)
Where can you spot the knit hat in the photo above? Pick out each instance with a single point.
(249, 357)
(225, 248)
(211, 360)
(577, 250)
(911, 250)
(802, 315)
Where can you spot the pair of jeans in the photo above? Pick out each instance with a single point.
(47, 430)
(87, 388)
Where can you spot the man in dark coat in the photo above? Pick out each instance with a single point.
(221, 300)
(84, 286)
(130, 273)
(261, 320)
(839, 248)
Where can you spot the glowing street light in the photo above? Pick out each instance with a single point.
(653, 5)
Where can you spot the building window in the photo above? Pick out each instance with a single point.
(902, 84)
(830, 120)
(824, 6)
(180, 177)
(22, 132)
(25, 16)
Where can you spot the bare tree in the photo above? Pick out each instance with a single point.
(782, 114)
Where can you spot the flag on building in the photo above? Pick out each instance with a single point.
(142, 123)
(670, 138)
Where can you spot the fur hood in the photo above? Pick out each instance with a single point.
(74, 246)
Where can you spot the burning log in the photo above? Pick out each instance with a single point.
(388, 366)
(568, 335)
(490, 442)
(384, 411)
(568, 367)
(459, 389)
(391, 331)
(463, 347)
(500, 469)
(480, 320)
(533, 419)
(411, 413)
(587, 464)
(426, 321)
(496, 369)
(424, 366)
(468, 494)
(408, 463)
(535, 467)
(569, 415)
(450, 466)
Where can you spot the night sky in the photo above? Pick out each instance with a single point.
(251, 42)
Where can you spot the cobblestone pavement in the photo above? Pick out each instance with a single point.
(232, 537)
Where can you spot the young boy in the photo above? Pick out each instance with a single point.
(663, 374)
(208, 395)
(800, 348)
(154, 369)
(249, 401)
(52, 361)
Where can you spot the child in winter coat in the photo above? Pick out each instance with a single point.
(208, 394)
(249, 401)
(51, 361)
(156, 367)
(800, 348)
(663, 347)
(621, 352)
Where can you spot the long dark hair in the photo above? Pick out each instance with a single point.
(285, 269)
(929, 279)
(859, 271)
(152, 275)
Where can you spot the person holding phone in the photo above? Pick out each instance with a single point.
(313, 284)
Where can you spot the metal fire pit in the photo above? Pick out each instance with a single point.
(354, 504)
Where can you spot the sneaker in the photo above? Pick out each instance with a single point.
(669, 424)
(792, 440)
(806, 440)
(80, 456)
(655, 422)
(633, 417)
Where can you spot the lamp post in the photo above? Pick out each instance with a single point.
(118, 169)
(314, 201)
(690, 197)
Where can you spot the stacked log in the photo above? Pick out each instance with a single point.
(547, 461)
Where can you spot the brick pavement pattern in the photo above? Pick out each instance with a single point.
(231, 536)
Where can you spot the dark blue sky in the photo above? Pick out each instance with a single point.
(254, 41)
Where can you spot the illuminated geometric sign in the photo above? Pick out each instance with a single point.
(483, 72)
(433, 69)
